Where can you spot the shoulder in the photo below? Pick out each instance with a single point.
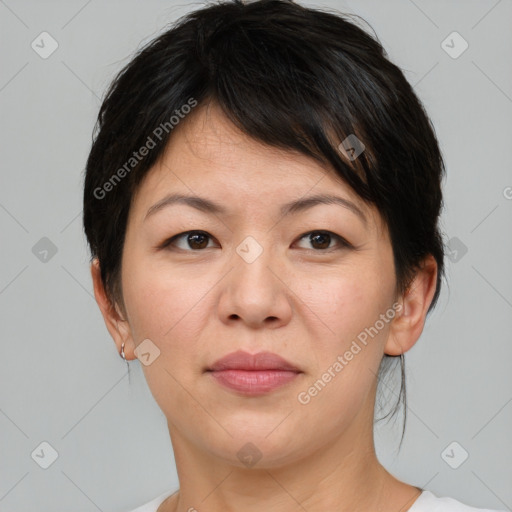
(429, 502)
(152, 506)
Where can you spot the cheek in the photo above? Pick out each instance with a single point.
(168, 306)
(349, 352)
(170, 310)
(346, 304)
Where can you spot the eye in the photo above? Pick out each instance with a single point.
(321, 240)
(192, 240)
(198, 240)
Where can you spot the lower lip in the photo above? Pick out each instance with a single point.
(253, 382)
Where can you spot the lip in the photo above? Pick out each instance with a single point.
(253, 374)
(241, 360)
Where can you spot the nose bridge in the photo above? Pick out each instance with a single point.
(253, 263)
(253, 292)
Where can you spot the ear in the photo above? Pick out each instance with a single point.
(117, 326)
(409, 321)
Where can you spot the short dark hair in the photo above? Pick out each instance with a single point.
(292, 77)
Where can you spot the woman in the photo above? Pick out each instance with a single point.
(261, 202)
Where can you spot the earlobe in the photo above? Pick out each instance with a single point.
(117, 326)
(408, 323)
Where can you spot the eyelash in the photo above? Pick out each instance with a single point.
(342, 243)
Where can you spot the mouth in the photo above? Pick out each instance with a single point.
(253, 374)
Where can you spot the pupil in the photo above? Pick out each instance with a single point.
(192, 239)
(324, 239)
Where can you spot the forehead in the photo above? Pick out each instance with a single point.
(209, 139)
(207, 155)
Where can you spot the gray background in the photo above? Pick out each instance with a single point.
(61, 379)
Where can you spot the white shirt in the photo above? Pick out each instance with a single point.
(426, 502)
(152, 506)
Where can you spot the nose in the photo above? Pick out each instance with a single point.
(255, 292)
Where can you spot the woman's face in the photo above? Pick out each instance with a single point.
(259, 277)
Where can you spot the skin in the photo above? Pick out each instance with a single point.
(296, 299)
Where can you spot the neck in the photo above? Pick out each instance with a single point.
(344, 476)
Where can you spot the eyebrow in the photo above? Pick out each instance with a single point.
(299, 205)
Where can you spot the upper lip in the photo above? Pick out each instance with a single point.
(241, 360)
